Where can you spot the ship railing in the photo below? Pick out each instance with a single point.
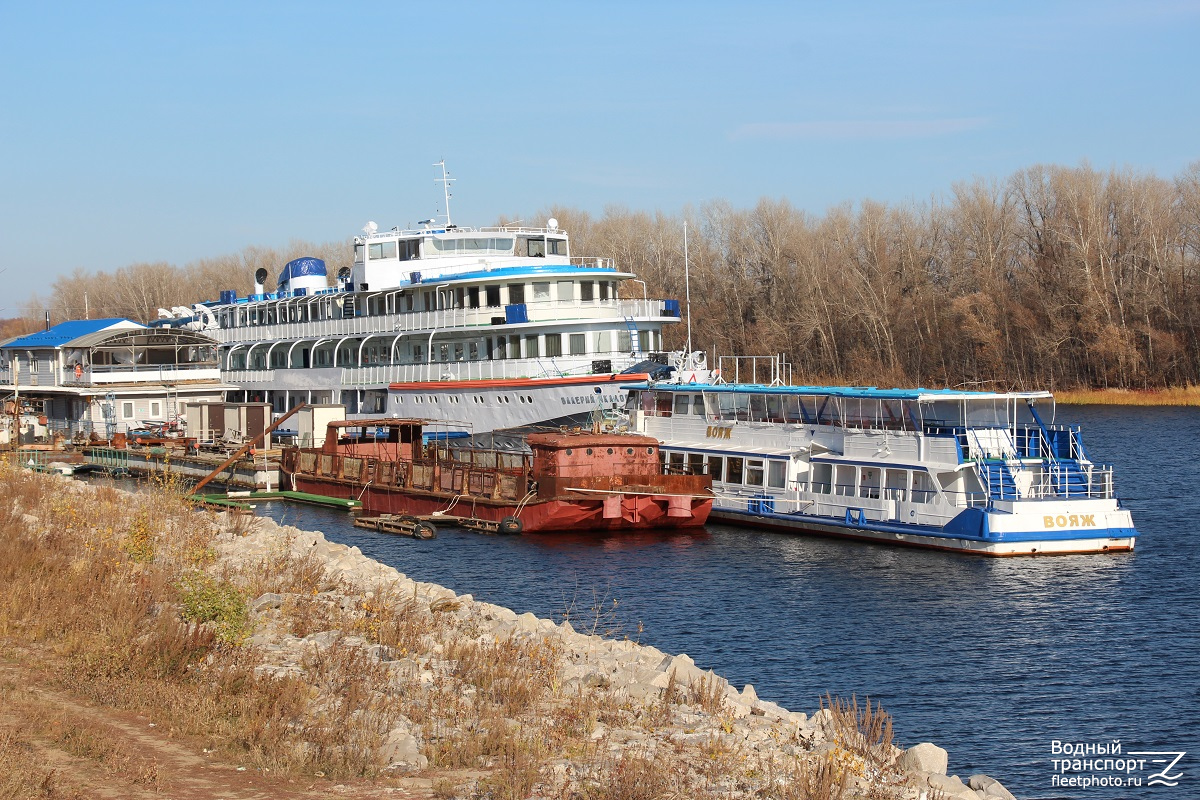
(391, 324)
(496, 369)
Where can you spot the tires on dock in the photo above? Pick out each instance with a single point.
(510, 525)
(423, 530)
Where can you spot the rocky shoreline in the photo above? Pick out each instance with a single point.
(643, 707)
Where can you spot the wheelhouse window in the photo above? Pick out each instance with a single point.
(359, 250)
(557, 247)
(537, 248)
(681, 403)
(381, 250)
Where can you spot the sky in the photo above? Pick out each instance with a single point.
(134, 132)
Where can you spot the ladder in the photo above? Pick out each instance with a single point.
(635, 338)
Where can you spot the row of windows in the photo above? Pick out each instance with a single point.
(409, 249)
(738, 470)
(400, 301)
(492, 348)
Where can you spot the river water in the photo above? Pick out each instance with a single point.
(994, 660)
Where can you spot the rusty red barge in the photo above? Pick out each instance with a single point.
(565, 481)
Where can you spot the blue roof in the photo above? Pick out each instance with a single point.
(64, 332)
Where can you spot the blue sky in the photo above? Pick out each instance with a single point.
(172, 132)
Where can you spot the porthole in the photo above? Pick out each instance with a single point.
(569, 451)
(589, 451)
(629, 451)
(650, 450)
(610, 451)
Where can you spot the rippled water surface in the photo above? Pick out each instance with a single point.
(991, 659)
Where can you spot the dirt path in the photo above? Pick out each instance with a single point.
(75, 749)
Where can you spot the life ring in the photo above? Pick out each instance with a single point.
(78, 371)
(423, 530)
(510, 525)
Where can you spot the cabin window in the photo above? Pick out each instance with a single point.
(733, 471)
(715, 468)
(624, 342)
(896, 484)
(822, 478)
(458, 352)
(676, 461)
(662, 404)
(492, 296)
(681, 403)
(444, 353)
(473, 351)
(541, 291)
(516, 293)
(155, 408)
(587, 291)
(776, 474)
(566, 291)
(378, 250)
(553, 344)
(603, 290)
(473, 297)
(696, 463)
(127, 410)
(923, 490)
(531, 346)
(758, 407)
(578, 344)
(845, 479)
(754, 472)
(869, 485)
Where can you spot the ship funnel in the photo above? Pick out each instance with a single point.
(260, 279)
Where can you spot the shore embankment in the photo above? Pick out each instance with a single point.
(298, 659)
(1174, 396)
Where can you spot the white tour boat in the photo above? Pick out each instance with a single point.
(477, 328)
(981, 472)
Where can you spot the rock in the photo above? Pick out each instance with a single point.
(952, 787)
(748, 694)
(989, 787)
(528, 622)
(402, 750)
(924, 757)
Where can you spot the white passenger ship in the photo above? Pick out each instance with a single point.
(982, 472)
(478, 328)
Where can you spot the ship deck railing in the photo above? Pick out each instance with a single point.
(482, 369)
(389, 325)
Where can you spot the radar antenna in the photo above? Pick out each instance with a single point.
(445, 180)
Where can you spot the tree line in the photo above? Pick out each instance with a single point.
(1057, 277)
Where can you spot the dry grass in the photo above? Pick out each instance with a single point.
(1176, 396)
(120, 600)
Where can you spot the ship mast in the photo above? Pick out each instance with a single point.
(445, 180)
